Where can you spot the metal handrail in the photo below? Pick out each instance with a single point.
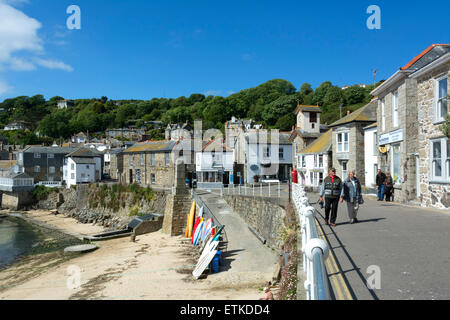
(207, 212)
(315, 250)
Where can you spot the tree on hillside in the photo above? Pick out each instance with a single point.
(285, 123)
(282, 106)
(320, 92)
(333, 98)
(355, 94)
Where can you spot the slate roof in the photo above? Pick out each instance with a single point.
(54, 150)
(307, 109)
(152, 147)
(85, 153)
(258, 137)
(364, 114)
(321, 145)
(83, 160)
(430, 54)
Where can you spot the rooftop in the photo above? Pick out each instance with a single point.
(156, 146)
(307, 108)
(54, 150)
(364, 114)
(321, 145)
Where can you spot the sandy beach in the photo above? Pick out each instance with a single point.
(155, 267)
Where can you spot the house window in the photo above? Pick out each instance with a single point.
(396, 164)
(167, 159)
(320, 161)
(266, 152)
(153, 178)
(313, 117)
(342, 142)
(440, 163)
(141, 156)
(395, 109)
(51, 156)
(281, 153)
(87, 166)
(72, 176)
(441, 98)
(315, 160)
(344, 170)
(311, 177)
(383, 115)
(72, 166)
(138, 175)
(152, 159)
(320, 178)
(131, 160)
(51, 169)
(37, 155)
(37, 169)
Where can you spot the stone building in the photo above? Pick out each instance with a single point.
(408, 127)
(348, 141)
(433, 86)
(152, 163)
(44, 163)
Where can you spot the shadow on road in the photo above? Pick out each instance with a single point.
(226, 259)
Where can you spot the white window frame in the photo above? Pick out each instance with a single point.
(341, 147)
(344, 171)
(37, 169)
(141, 158)
(375, 144)
(167, 159)
(395, 108)
(281, 153)
(51, 169)
(437, 111)
(316, 161)
(152, 159)
(131, 159)
(37, 155)
(321, 161)
(445, 161)
(51, 156)
(383, 115)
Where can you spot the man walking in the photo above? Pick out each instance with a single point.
(331, 188)
(381, 178)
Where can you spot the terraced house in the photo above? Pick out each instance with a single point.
(153, 163)
(348, 141)
(412, 104)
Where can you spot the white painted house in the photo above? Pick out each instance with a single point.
(266, 157)
(371, 154)
(83, 166)
(214, 166)
(314, 161)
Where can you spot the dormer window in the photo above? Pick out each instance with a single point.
(313, 117)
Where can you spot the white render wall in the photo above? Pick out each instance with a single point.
(371, 158)
(305, 172)
(80, 169)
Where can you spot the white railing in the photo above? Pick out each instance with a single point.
(259, 190)
(315, 250)
(49, 183)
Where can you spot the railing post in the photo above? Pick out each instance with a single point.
(260, 189)
(269, 189)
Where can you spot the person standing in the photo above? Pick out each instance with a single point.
(351, 193)
(389, 186)
(381, 178)
(331, 188)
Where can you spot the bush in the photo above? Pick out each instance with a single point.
(41, 192)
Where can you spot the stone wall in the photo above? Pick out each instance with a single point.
(405, 192)
(431, 194)
(263, 214)
(15, 200)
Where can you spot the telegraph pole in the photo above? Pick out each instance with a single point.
(374, 72)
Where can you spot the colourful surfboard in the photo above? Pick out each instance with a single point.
(207, 229)
(191, 220)
(197, 222)
(196, 236)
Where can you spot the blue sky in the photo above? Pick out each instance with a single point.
(145, 49)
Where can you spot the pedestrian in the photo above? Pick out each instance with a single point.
(269, 294)
(331, 189)
(351, 193)
(381, 178)
(389, 187)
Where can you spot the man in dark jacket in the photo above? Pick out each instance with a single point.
(381, 178)
(331, 188)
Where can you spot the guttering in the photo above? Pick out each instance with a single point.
(399, 75)
(435, 64)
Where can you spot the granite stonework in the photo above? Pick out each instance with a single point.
(431, 194)
(264, 215)
(406, 186)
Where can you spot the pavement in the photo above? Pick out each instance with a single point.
(245, 253)
(406, 248)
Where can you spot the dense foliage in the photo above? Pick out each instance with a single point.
(271, 103)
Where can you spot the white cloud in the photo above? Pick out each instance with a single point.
(212, 92)
(53, 64)
(19, 36)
